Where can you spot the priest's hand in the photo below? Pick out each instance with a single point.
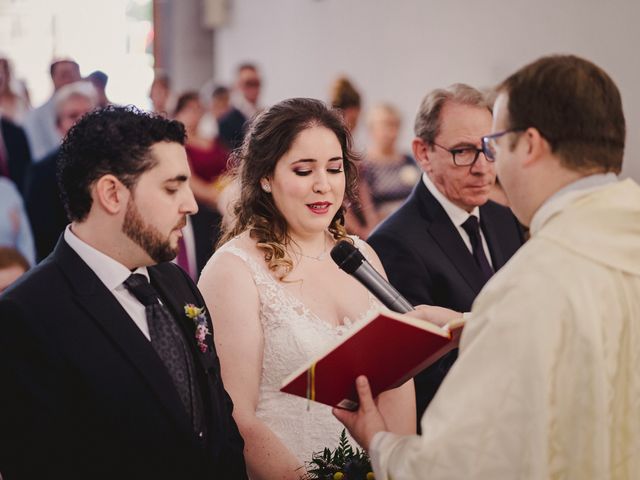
(438, 315)
(364, 423)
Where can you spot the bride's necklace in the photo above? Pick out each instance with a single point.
(321, 256)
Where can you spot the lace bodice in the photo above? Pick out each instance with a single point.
(293, 335)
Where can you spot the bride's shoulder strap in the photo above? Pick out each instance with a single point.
(258, 271)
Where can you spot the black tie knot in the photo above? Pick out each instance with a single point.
(472, 227)
(140, 288)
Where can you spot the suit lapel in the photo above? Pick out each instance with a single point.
(176, 303)
(175, 295)
(445, 234)
(113, 320)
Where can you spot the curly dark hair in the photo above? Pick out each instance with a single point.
(269, 138)
(113, 140)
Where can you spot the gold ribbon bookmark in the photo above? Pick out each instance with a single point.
(311, 385)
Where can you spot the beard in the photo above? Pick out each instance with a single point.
(148, 237)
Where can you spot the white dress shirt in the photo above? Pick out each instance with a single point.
(457, 216)
(112, 274)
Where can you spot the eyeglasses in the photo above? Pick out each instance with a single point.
(252, 83)
(464, 156)
(490, 142)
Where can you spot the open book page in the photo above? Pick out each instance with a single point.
(389, 348)
(415, 322)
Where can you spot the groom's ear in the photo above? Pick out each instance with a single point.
(110, 195)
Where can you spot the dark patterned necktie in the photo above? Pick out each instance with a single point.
(472, 228)
(169, 344)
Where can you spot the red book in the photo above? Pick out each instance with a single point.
(388, 349)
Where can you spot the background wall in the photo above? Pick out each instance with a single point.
(110, 36)
(397, 50)
(183, 43)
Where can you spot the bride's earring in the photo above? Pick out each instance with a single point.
(266, 187)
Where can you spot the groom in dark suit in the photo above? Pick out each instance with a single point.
(107, 362)
(445, 242)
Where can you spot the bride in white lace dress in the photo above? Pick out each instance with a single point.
(276, 297)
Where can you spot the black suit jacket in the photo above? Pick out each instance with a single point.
(426, 259)
(44, 205)
(86, 396)
(206, 231)
(231, 128)
(18, 152)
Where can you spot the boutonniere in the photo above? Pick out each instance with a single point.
(197, 314)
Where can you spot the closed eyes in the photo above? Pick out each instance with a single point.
(304, 173)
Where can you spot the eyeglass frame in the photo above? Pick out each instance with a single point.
(468, 147)
(493, 138)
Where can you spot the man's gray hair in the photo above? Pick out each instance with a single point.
(427, 124)
(81, 88)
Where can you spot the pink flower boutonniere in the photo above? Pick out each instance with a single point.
(197, 314)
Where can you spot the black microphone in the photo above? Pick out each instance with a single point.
(353, 262)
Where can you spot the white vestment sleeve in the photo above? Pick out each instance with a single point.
(383, 447)
(488, 420)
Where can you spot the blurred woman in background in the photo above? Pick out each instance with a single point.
(361, 216)
(14, 104)
(208, 161)
(207, 156)
(389, 174)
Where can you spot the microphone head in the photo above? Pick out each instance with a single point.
(347, 256)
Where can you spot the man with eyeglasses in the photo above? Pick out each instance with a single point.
(547, 384)
(233, 124)
(448, 239)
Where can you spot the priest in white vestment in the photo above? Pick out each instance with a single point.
(547, 384)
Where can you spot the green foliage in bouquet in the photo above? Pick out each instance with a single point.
(344, 463)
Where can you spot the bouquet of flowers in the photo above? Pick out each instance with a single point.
(343, 463)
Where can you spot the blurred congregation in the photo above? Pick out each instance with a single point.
(215, 119)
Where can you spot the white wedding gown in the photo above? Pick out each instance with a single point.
(293, 335)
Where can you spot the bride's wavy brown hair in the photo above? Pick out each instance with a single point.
(270, 136)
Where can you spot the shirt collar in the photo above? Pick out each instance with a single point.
(110, 272)
(457, 215)
(568, 194)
